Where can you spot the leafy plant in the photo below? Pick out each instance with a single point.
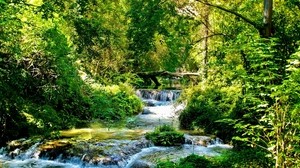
(166, 164)
(248, 158)
(206, 106)
(165, 135)
(194, 161)
(114, 103)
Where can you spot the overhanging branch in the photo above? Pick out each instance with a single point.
(212, 35)
(247, 20)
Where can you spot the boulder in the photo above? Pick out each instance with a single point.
(147, 111)
(140, 164)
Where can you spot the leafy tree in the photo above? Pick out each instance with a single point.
(252, 54)
(158, 36)
(45, 47)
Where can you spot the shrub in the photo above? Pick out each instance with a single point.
(206, 106)
(165, 136)
(194, 161)
(191, 161)
(166, 164)
(247, 158)
(114, 103)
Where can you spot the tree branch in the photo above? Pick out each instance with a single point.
(247, 20)
(212, 35)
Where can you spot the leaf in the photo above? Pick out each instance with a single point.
(240, 139)
(2, 2)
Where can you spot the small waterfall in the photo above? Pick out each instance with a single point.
(32, 152)
(200, 145)
(159, 95)
(218, 143)
(114, 152)
(2, 154)
(144, 152)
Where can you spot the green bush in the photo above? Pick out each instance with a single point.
(194, 161)
(165, 136)
(206, 106)
(114, 103)
(166, 164)
(191, 161)
(246, 158)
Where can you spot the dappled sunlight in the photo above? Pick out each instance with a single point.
(32, 120)
(102, 133)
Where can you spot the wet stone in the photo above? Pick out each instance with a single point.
(149, 103)
(93, 147)
(198, 140)
(147, 111)
(140, 164)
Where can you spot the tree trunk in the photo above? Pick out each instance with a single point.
(268, 10)
(265, 29)
(205, 42)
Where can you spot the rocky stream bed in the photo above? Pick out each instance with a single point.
(112, 148)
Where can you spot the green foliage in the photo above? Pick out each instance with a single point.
(114, 103)
(254, 158)
(41, 90)
(53, 52)
(248, 158)
(101, 44)
(262, 117)
(13, 124)
(159, 37)
(41, 120)
(194, 161)
(191, 161)
(166, 164)
(165, 135)
(207, 105)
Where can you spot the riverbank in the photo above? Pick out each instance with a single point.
(111, 147)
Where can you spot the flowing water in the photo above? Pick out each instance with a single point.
(112, 148)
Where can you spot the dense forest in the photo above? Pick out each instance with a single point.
(65, 63)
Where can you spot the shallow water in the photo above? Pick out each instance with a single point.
(103, 133)
(114, 147)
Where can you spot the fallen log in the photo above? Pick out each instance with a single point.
(153, 74)
(167, 73)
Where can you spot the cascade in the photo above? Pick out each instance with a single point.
(117, 150)
(159, 95)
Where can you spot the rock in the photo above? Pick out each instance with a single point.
(14, 153)
(147, 111)
(22, 144)
(140, 164)
(53, 149)
(12, 145)
(197, 140)
(150, 103)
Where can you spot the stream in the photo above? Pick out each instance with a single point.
(112, 148)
